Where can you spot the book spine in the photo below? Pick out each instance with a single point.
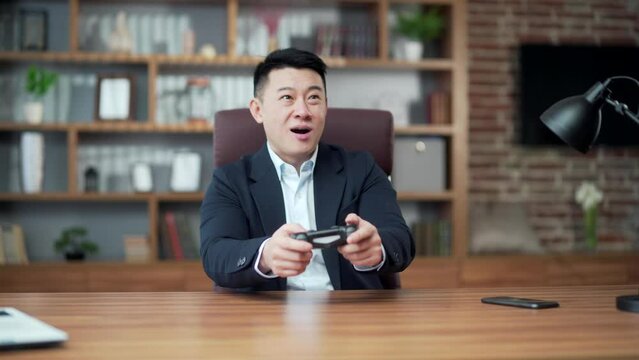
(174, 236)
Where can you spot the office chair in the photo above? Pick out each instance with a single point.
(236, 134)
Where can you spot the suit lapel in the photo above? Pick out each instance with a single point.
(329, 182)
(267, 192)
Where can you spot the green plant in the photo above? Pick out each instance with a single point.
(74, 240)
(420, 25)
(39, 80)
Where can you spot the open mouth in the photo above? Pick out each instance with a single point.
(301, 130)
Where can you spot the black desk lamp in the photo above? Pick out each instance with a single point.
(577, 120)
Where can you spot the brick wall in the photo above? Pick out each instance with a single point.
(544, 180)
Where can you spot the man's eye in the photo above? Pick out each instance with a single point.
(286, 97)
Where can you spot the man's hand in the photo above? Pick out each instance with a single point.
(285, 256)
(364, 246)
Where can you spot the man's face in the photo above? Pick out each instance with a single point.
(292, 108)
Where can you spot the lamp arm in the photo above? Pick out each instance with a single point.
(622, 108)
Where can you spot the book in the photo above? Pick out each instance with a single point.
(174, 236)
(186, 236)
(14, 251)
(438, 108)
(137, 249)
(164, 243)
(2, 258)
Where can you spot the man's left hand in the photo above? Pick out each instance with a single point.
(364, 246)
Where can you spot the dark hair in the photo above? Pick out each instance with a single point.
(287, 58)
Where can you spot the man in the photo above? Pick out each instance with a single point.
(294, 184)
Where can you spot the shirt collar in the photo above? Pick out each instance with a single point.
(279, 164)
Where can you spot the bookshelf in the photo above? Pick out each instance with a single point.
(69, 54)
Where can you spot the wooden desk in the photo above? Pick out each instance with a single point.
(418, 324)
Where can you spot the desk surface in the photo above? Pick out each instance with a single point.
(445, 324)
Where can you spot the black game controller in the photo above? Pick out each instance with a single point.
(321, 239)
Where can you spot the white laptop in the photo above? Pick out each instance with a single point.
(19, 330)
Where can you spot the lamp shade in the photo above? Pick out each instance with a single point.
(577, 119)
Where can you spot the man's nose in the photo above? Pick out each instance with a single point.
(301, 109)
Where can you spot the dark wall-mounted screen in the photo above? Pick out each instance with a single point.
(551, 73)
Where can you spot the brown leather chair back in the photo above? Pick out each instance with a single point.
(236, 134)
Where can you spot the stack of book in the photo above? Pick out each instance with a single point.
(179, 239)
(348, 41)
(432, 238)
(438, 108)
(12, 247)
(137, 249)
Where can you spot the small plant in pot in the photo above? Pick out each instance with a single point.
(74, 244)
(417, 28)
(39, 81)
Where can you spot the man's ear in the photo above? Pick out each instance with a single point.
(256, 109)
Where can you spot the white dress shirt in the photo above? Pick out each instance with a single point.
(299, 204)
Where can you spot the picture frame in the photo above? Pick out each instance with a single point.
(34, 30)
(115, 97)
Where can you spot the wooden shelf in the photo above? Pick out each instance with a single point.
(219, 60)
(69, 197)
(180, 197)
(111, 127)
(424, 196)
(99, 197)
(173, 197)
(440, 130)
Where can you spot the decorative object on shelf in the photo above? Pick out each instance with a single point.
(12, 247)
(142, 177)
(33, 30)
(39, 81)
(419, 164)
(188, 42)
(271, 18)
(416, 29)
(198, 99)
(32, 161)
(74, 244)
(185, 171)
(137, 249)
(208, 51)
(115, 97)
(91, 179)
(120, 40)
(588, 196)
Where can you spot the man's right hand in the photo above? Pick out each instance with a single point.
(285, 256)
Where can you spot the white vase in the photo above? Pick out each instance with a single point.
(413, 49)
(33, 112)
(32, 161)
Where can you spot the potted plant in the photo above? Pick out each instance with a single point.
(74, 244)
(39, 81)
(415, 28)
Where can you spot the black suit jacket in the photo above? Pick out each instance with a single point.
(244, 205)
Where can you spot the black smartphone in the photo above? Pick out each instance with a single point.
(520, 302)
